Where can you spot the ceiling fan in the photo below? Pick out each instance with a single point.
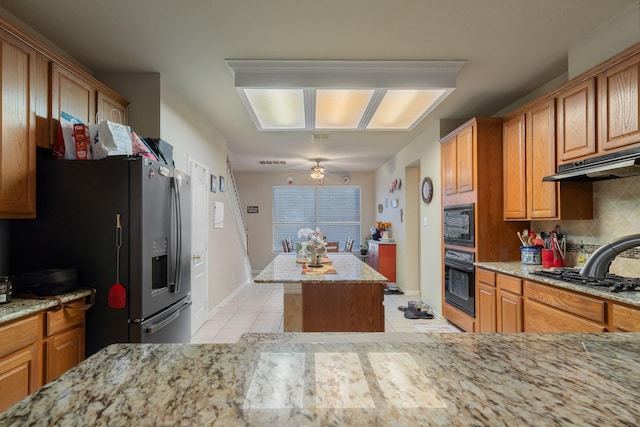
(317, 171)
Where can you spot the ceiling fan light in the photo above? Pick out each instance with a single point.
(317, 175)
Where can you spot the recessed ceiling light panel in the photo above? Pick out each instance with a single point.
(342, 95)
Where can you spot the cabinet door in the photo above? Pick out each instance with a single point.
(449, 166)
(71, 94)
(541, 161)
(18, 137)
(64, 351)
(514, 167)
(387, 261)
(486, 315)
(466, 160)
(509, 312)
(111, 109)
(577, 122)
(19, 376)
(619, 105)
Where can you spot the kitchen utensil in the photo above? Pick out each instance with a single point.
(117, 297)
(521, 238)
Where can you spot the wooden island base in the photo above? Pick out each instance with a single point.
(334, 307)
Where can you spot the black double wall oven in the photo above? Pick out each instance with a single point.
(459, 268)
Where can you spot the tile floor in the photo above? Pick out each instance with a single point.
(258, 308)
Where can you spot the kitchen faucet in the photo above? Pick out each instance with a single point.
(598, 263)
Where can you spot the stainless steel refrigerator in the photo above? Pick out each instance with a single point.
(78, 206)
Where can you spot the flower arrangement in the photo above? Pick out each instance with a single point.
(309, 234)
(383, 226)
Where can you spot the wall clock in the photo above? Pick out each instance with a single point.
(427, 190)
(380, 208)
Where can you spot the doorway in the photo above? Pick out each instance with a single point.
(199, 243)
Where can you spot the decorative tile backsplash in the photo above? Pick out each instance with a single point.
(616, 213)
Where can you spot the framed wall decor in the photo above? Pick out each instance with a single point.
(394, 203)
(427, 190)
(221, 184)
(214, 183)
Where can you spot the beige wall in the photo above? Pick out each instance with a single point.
(255, 189)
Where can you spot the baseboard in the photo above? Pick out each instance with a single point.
(229, 297)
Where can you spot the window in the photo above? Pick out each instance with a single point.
(334, 210)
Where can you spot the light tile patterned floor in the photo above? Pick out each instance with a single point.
(258, 308)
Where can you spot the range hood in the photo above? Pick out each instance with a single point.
(609, 166)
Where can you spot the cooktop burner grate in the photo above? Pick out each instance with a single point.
(612, 282)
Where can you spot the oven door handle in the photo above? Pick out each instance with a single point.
(460, 266)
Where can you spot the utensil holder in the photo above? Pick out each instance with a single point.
(530, 255)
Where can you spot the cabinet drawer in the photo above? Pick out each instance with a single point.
(19, 334)
(580, 305)
(509, 284)
(66, 318)
(543, 318)
(486, 276)
(625, 319)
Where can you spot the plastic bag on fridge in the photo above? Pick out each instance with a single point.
(112, 139)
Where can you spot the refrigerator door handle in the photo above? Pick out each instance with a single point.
(156, 327)
(175, 181)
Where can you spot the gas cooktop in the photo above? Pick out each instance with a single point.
(611, 283)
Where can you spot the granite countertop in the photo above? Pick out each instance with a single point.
(21, 307)
(517, 268)
(349, 268)
(405, 379)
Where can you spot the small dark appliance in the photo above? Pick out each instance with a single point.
(459, 227)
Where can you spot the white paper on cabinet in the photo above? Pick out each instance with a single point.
(218, 215)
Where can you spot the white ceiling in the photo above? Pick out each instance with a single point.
(511, 47)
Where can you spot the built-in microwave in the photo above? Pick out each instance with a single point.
(459, 228)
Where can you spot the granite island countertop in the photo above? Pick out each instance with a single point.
(21, 307)
(349, 268)
(402, 379)
(518, 269)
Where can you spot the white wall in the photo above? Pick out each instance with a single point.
(255, 189)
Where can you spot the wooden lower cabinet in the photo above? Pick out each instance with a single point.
(550, 309)
(19, 375)
(486, 301)
(64, 351)
(509, 315)
(624, 319)
(37, 349)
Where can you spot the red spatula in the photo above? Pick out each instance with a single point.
(117, 294)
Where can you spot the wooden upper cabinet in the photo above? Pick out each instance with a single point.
(576, 121)
(466, 160)
(514, 168)
(458, 162)
(109, 108)
(449, 166)
(619, 105)
(541, 161)
(71, 94)
(18, 137)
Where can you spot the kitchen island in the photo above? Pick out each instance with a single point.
(349, 299)
(362, 379)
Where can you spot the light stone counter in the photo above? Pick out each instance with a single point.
(516, 268)
(401, 380)
(349, 268)
(21, 307)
